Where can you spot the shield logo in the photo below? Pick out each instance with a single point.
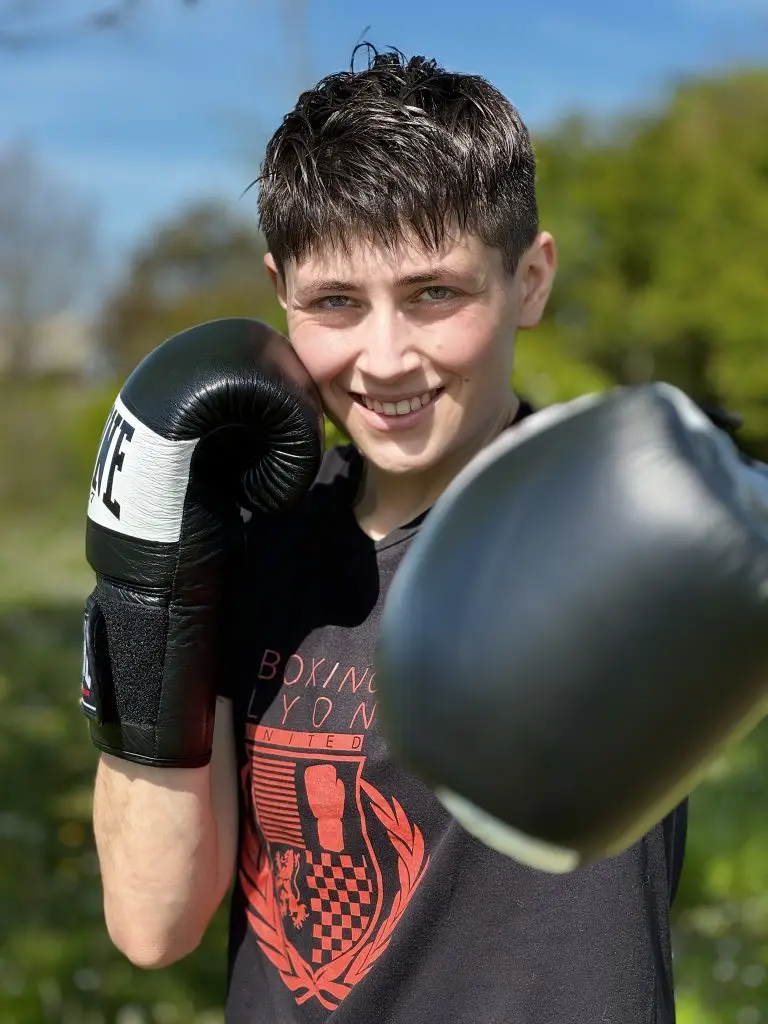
(316, 893)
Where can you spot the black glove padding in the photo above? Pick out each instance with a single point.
(581, 626)
(219, 419)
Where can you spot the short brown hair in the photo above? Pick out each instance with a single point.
(400, 144)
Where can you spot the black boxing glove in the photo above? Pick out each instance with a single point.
(581, 626)
(219, 419)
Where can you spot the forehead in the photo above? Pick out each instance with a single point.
(362, 260)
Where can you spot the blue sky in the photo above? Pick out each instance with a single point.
(178, 105)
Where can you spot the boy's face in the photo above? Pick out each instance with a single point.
(412, 350)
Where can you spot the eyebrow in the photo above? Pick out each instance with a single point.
(331, 285)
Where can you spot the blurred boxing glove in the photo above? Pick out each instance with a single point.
(581, 626)
(219, 419)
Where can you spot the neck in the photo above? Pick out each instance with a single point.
(389, 501)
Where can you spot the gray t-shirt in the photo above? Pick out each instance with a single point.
(358, 899)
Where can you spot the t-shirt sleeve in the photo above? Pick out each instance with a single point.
(675, 827)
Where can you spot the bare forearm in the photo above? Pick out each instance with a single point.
(165, 845)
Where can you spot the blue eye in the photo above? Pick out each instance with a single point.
(336, 302)
(446, 293)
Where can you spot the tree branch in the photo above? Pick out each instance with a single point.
(21, 30)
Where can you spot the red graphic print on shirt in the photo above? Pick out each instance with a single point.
(320, 901)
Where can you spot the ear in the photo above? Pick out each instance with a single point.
(278, 282)
(537, 271)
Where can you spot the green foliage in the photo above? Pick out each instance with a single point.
(661, 222)
(56, 962)
(48, 433)
(721, 914)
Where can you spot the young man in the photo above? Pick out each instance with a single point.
(399, 207)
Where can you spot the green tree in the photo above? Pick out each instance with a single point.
(206, 262)
(48, 252)
(662, 220)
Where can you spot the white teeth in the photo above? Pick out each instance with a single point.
(401, 408)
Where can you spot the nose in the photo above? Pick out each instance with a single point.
(386, 353)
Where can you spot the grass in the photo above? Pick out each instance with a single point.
(43, 559)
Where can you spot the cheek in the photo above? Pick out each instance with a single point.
(319, 351)
(472, 345)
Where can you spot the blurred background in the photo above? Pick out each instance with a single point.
(129, 132)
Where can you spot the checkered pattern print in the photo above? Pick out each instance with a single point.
(341, 902)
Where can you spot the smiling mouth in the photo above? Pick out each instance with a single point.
(400, 408)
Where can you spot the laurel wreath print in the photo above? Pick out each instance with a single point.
(332, 982)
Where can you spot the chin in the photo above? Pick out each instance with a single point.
(401, 467)
(397, 460)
